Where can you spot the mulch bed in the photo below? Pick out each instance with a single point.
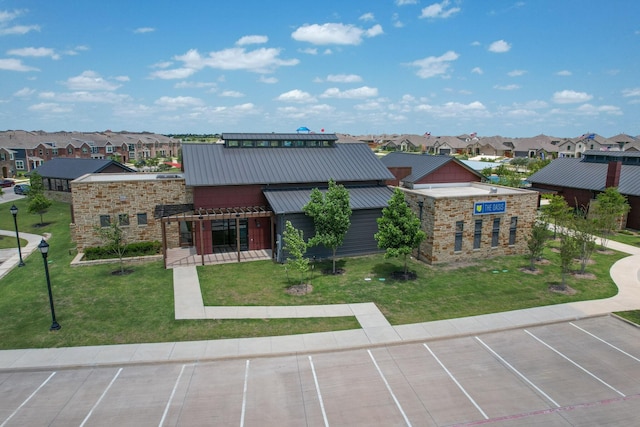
(301, 289)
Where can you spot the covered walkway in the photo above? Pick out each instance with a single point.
(185, 257)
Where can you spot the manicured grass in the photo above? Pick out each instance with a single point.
(8, 242)
(627, 237)
(95, 307)
(632, 316)
(439, 292)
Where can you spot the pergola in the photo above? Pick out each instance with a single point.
(200, 215)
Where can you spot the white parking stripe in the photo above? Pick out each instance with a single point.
(173, 392)
(607, 343)
(406, 420)
(27, 400)
(244, 392)
(104, 393)
(457, 383)
(315, 380)
(574, 363)
(518, 373)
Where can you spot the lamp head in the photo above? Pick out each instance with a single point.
(43, 247)
(13, 210)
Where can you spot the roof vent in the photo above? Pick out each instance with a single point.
(494, 190)
(168, 176)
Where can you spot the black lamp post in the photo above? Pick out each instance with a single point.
(44, 250)
(14, 212)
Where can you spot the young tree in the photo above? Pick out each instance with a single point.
(568, 252)
(37, 203)
(399, 230)
(114, 239)
(537, 242)
(331, 214)
(558, 211)
(584, 231)
(295, 245)
(608, 209)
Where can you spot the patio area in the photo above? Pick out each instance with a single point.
(187, 256)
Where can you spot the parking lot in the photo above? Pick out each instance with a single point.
(583, 373)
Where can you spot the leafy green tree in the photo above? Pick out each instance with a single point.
(584, 231)
(557, 212)
(37, 202)
(296, 247)
(114, 239)
(607, 211)
(536, 164)
(331, 214)
(568, 252)
(519, 162)
(399, 230)
(537, 242)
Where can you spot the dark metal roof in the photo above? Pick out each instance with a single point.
(72, 168)
(292, 201)
(215, 165)
(421, 164)
(280, 136)
(576, 173)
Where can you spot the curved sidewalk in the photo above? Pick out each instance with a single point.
(11, 258)
(375, 329)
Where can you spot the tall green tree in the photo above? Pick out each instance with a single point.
(557, 212)
(331, 214)
(399, 231)
(607, 211)
(537, 242)
(37, 202)
(296, 247)
(584, 231)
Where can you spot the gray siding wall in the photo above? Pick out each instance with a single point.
(358, 240)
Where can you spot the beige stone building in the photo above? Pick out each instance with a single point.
(136, 201)
(466, 221)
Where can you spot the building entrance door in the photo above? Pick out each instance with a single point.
(224, 232)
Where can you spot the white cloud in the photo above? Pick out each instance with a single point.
(268, 80)
(516, 73)
(499, 46)
(334, 33)
(173, 103)
(37, 52)
(24, 92)
(477, 70)
(263, 60)
(296, 95)
(90, 80)
(369, 106)
(570, 97)
(18, 29)
(405, 2)
(362, 92)
(252, 40)
(12, 64)
(143, 30)
(50, 108)
(309, 51)
(231, 94)
(432, 66)
(176, 73)
(631, 92)
(455, 109)
(122, 78)
(367, 17)
(506, 87)
(591, 110)
(395, 18)
(344, 78)
(439, 10)
(195, 85)
(564, 73)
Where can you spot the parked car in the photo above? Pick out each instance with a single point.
(7, 183)
(21, 188)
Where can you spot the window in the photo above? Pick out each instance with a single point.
(3, 157)
(95, 150)
(40, 152)
(142, 219)
(477, 234)
(123, 219)
(70, 150)
(247, 143)
(84, 150)
(495, 236)
(20, 164)
(262, 143)
(458, 242)
(132, 147)
(105, 220)
(512, 230)
(55, 151)
(109, 149)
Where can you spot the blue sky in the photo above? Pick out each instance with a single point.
(510, 68)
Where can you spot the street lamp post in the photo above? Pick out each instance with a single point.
(14, 212)
(44, 250)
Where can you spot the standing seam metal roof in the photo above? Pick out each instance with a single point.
(421, 164)
(216, 165)
(72, 168)
(292, 201)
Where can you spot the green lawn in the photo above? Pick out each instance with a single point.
(95, 307)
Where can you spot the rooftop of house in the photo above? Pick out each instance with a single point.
(125, 177)
(469, 189)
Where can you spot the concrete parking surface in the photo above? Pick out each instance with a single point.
(585, 373)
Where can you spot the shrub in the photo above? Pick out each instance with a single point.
(133, 249)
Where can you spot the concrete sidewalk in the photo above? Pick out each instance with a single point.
(375, 329)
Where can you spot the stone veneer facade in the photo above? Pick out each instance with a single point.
(94, 195)
(441, 212)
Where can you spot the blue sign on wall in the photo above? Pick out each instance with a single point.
(485, 208)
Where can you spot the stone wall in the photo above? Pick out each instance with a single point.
(439, 217)
(91, 199)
